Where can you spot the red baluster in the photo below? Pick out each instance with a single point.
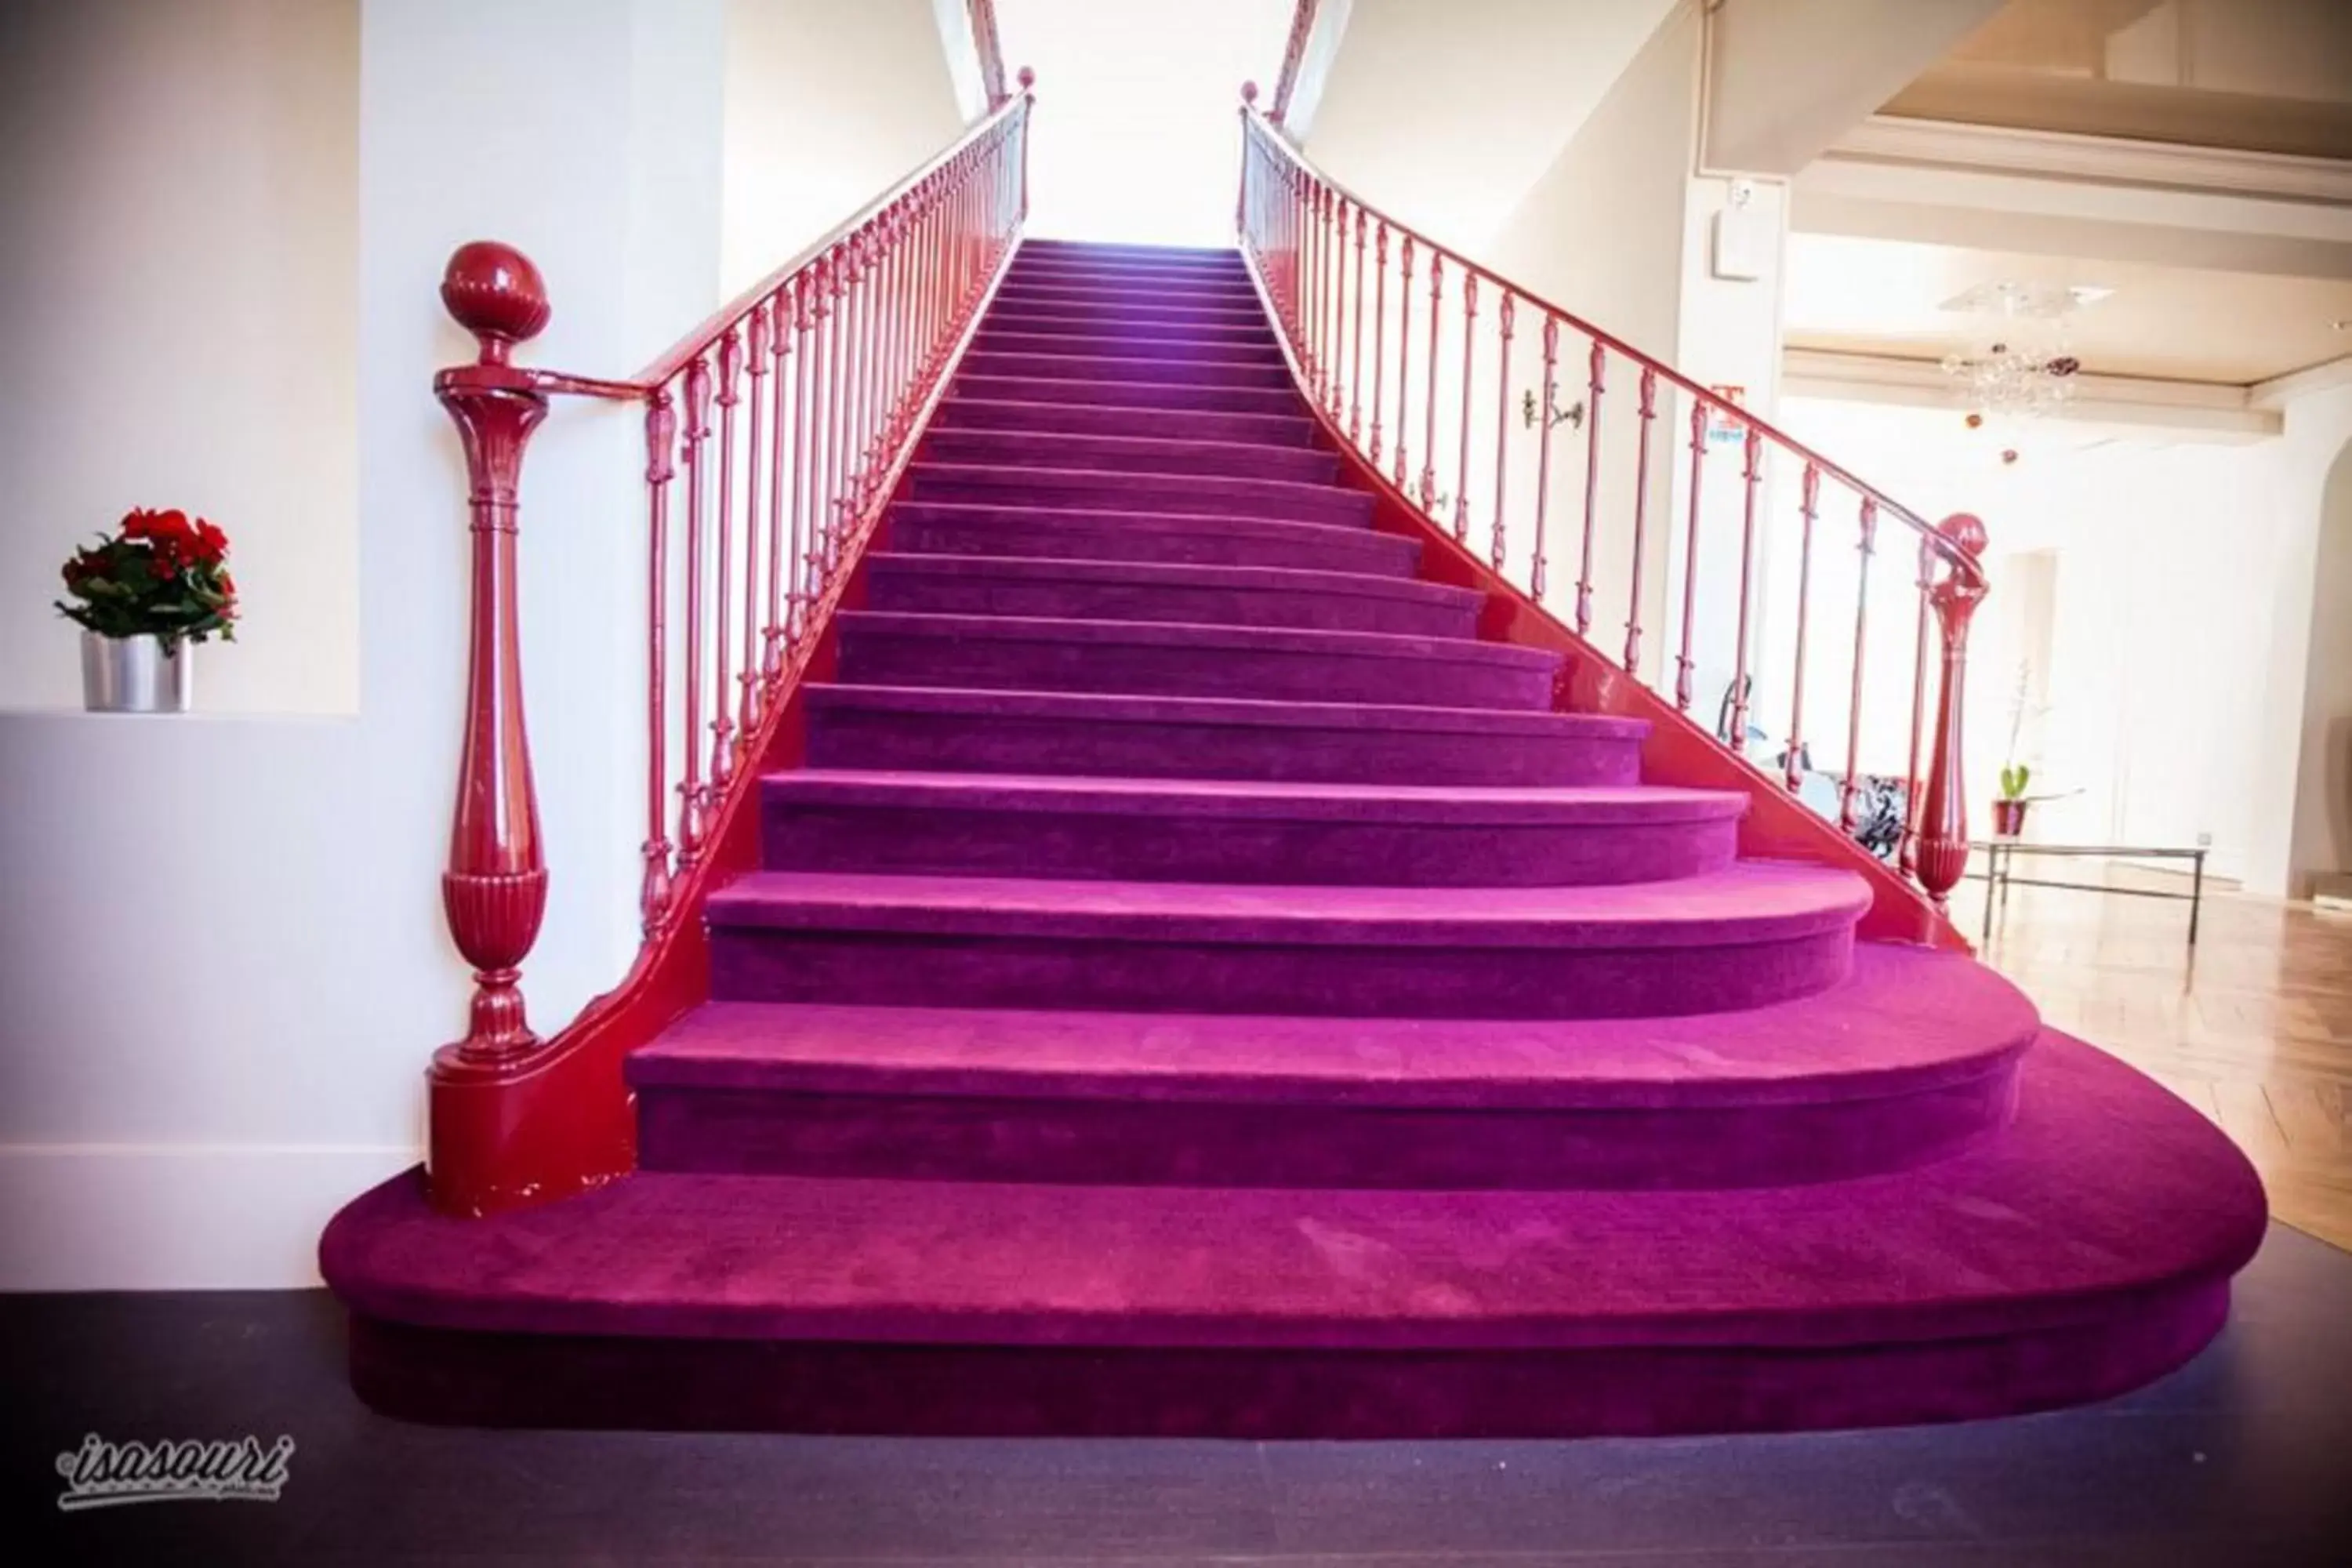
(1791, 773)
(1462, 443)
(1429, 403)
(1538, 559)
(661, 431)
(1753, 472)
(755, 427)
(1596, 378)
(1944, 835)
(1690, 556)
(836, 399)
(1356, 348)
(1907, 857)
(1502, 421)
(495, 888)
(1849, 796)
(1335, 227)
(1405, 354)
(808, 298)
(722, 724)
(1379, 334)
(691, 798)
(1648, 413)
(1243, 219)
(780, 338)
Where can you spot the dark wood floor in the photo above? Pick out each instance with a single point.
(2242, 1459)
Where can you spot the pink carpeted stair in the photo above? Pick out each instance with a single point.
(1195, 987)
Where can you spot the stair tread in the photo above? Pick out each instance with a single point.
(1025, 514)
(2107, 1187)
(1186, 449)
(1517, 803)
(1191, 634)
(1754, 902)
(1322, 497)
(1282, 579)
(1909, 1017)
(1245, 711)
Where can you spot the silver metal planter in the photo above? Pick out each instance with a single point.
(137, 675)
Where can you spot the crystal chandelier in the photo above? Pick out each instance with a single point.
(2018, 367)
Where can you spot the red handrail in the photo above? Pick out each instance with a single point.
(775, 432)
(1305, 236)
(1294, 53)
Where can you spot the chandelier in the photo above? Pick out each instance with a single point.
(2017, 366)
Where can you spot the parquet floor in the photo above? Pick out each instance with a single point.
(2254, 1029)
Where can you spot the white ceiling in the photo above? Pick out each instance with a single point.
(1857, 295)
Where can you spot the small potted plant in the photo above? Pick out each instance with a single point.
(143, 595)
(2009, 811)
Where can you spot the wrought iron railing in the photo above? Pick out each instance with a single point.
(775, 432)
(1419, 381)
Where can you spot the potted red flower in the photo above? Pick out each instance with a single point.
(143, 596)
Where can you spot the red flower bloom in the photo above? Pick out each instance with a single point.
(211, 543)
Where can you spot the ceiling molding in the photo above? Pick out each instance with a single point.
(2279, 390)
(2105, 160)
(2199, 410)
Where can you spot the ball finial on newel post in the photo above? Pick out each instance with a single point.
(1249, 92)
(1026, 78)
(494, 292)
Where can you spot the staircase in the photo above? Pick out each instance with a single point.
(1196, 986)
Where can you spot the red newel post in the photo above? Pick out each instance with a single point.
(495, 889)
(1943, 853)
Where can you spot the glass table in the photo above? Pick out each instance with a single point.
(2000, 873)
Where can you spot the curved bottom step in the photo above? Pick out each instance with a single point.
(2087, 1251)
(1912, 1060)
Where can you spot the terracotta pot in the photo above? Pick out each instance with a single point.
(2008, 818)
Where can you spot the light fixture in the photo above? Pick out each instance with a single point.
(2017, 366)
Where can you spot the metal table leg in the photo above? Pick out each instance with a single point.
(2196, 895)
(1992, 885)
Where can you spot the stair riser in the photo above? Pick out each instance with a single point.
(1024, 743)
(1003, 339)
(873, 656)
(1217, 1143)
(1083, 601)
(947, 970)
(1116, 251)
(847, 1387)
(1128, 394)
(1166, 424)
(1160, 848)
(1113, 315)
(1258, 377)
(1041, 535)
(1045, 490)
(1220, 269)
(1123, 295)
(1173, 459)
(1242, 333)
(1089, 275)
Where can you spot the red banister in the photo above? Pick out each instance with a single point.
(1294, 52)
(776, 433)
(1294, 226)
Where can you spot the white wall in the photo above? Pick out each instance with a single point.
(177, 297)
(216, 1015)
(2304, 797)
(827, 105)
(1138, 133)
(2172, 559)
(1447, 114)
(216, 1024)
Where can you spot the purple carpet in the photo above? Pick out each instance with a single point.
(1197, 988)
